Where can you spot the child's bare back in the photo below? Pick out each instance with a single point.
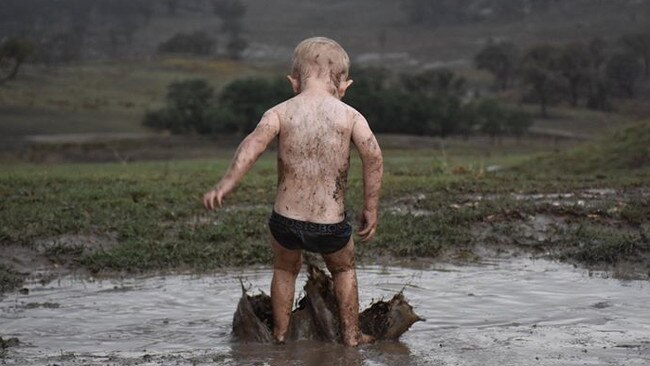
(313, 157)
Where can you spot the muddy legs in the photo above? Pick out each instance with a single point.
(286, 267)
(341, 266)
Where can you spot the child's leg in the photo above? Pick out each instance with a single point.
(341, 266)
(286, 267)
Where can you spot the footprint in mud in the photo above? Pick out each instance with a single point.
(316, 317)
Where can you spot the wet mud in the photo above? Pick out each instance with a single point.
(513, 311)
(317, 316)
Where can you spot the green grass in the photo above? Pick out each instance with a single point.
(438, 200)
(434, 203)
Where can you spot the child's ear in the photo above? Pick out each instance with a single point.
(295, 84)
(343, 86)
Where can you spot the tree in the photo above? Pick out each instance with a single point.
(249, 98)
(367, 93)
(439, 93)
(190, 97)
(599, 93)
(13, 54)
(624, 70)
(438, 82)
(219, 119)
(490, 118)
(639, 45)
(573, 65)
(539, 69)
(494, 119)
(501, 60)
(187, 102)
(517, 123)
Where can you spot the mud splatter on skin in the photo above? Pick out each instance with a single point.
(341, 184)
(281, 169)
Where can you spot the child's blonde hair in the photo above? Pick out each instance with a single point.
(319, 56)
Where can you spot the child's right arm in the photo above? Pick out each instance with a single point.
(373, 170)
(247, 153)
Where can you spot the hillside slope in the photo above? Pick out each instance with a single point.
(372, 30)
(626, 150)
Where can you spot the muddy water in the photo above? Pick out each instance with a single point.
(514, 312)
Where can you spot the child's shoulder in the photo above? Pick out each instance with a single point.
(351, 110)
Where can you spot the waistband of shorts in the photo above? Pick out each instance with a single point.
(310, 226)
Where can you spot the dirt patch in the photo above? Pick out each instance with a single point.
(76, 242)
(23, 260)
(600, 228)
(48, 258)
(409, 205)
(529, 230)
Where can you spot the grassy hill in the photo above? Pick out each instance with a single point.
(99, 97)
(367, 28)
(626, 150)
(360, 26)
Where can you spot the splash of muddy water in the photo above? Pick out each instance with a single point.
(317, 314)
(501, 313)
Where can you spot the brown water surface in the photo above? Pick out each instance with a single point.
(505, 312)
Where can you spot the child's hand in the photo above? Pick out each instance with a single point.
(368, 225)
(212, 197)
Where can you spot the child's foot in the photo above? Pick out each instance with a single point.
(365, 339)
(361, 339)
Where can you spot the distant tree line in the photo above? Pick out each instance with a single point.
(434, 13)
(578, 73)
(431, 103)
(70, 30)
(61, 30)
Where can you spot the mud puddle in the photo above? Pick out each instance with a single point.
(505, 312)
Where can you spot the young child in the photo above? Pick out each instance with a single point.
(314, 130)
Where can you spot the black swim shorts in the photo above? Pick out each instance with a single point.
(318, 238)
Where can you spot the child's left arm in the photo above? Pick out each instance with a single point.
(247, 153)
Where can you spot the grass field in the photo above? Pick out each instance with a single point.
(590, 205)
(101, 97)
